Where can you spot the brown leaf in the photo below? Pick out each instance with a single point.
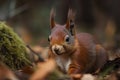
(6, 73)
(43, 69)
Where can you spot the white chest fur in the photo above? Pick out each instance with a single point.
(63, 63)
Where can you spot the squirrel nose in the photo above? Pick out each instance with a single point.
(56, 50)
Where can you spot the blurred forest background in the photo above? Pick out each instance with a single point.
(30, 18)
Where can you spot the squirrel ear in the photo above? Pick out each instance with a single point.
(68, 19)
(52, 15)
(70, 22)
(72, 28)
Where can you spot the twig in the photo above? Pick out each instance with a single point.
(39, 57)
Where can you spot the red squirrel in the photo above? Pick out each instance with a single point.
(74, 53)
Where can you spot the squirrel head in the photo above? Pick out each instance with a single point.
(62, 37)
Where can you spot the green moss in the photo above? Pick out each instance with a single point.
(12, 49)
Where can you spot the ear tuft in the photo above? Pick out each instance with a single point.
(52, 21)
(70, 16)
(70, 22)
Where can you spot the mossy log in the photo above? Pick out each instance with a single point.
(12, 49)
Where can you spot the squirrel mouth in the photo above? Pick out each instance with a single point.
(58, 49)
(58, 53)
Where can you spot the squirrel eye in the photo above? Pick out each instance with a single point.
(49, 38)
(67, 39)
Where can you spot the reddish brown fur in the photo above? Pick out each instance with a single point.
(85, 53)
(58, 30)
